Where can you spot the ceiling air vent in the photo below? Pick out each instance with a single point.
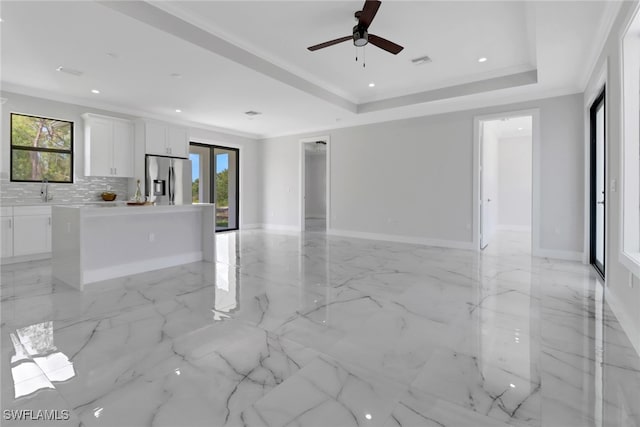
(71, 71)
(252, 113)
(422, 60)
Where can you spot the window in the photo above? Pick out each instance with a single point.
(630, 255)
(41, 148)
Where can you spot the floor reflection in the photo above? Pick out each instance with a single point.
(37, 363)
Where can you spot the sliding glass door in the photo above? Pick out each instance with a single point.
(215, 179)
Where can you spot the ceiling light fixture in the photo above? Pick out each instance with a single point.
(372, 84)
(178, 110)
(96, 91)
(483, 59)
(520, 128)
(422, 60)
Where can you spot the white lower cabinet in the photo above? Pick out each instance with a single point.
(31, 230)
(6, 232)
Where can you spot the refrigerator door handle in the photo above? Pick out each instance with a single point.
(172, 184)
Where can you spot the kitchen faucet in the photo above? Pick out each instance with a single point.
(44, 191)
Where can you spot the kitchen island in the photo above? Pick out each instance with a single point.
(95, 243)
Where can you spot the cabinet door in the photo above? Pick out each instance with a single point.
(178, 142)
(123, 149)
(6, 228)
(156, 139)
(98, 148)
(31, 234)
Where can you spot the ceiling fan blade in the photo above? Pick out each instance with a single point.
(330, 43)
(369, 11)
(385, 44)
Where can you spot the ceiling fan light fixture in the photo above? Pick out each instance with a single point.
(360, 36)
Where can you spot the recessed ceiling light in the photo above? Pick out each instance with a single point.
(178, 110)
(512, 385)
(368, 416)
(483, 59)
(520, 128)
(372, 84)
(95, 91)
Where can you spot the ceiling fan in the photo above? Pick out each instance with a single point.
(361, 36)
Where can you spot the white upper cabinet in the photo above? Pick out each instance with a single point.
(178, 141)
(108, 147)
(155, 138)
(163, 139)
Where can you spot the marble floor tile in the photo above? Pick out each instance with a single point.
(419, 409)
(327, 393)
(309, 329)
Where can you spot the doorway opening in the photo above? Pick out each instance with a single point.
(314, 186)
(506, 183)
(597, 172)
(215, 179)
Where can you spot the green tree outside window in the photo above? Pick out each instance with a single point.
(41, 148)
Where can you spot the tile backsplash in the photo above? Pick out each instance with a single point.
(84, 189)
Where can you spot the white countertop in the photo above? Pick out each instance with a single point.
(123, 209)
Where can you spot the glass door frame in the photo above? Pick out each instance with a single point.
(212, 187)
(593, 202)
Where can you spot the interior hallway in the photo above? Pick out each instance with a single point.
(315, 330)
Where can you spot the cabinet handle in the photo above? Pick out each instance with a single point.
(115, 171)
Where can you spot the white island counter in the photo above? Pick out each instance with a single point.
(94, 243)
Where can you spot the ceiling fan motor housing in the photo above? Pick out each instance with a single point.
(360, 36)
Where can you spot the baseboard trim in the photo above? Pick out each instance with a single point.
(556, 254)
(452, 244)
(625, 319)
(506, 227)
(250, 226)
(25, 258)
(115, 271)
(278, 227)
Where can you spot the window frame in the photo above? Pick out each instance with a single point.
(42, 150)
(630, 147)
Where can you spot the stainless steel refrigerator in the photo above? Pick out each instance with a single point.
(168, 180)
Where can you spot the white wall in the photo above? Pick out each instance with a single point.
(514, 189)
(412, 179)
(315, 184)
(623, 299)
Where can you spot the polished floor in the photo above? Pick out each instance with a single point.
(313, 330)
